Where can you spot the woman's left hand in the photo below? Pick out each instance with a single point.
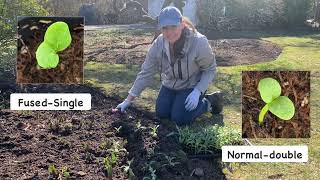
(192, 100)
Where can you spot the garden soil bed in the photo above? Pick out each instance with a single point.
(121, 48)
(31, 141)
(31, 32)
(296, 86)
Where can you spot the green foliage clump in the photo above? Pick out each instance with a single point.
(228, 15)
(209, 139)
(9, 10)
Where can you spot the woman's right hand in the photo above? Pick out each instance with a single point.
(126, 103)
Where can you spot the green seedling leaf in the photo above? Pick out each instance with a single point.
(269, 89)
(46, 57)
(282, 107)
(58, 36)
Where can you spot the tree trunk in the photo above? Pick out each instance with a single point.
(317, 11)
(2, 10)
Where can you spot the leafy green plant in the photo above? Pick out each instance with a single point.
(57, 38)
(209, 139)
(227, 136)
(281, 106)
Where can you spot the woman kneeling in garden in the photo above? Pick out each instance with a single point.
(187, 66)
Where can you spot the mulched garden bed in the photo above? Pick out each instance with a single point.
(132, 49)
(79, 141)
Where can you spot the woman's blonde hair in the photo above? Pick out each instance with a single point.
(189, 24)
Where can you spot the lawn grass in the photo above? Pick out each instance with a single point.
(300, 52)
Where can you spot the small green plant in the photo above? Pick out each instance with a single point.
(117, 147)
(53, 170)
(57, 38)
(88, 157)
(90, 124)
(151, 170)
(106, 144)
(54, 125)
(63, 143)
(114, 158)
(169, 160)
(151, 150)
(281, 106)
(128, 170)
(107, 166)
(65, 172)
(139, 126)
(118, 129)
(87, 147)
(67, 129)
(154, 131)
(109, 163)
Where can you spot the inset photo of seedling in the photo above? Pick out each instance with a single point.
(50, 50)
(275, 104)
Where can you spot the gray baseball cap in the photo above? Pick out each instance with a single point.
(169, 16)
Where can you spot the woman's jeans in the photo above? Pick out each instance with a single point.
(171, 105)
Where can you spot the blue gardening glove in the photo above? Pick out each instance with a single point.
(124, 105)
(192, 100)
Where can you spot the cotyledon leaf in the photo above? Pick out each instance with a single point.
(46, 56)
(269, 89)
(282, 107)
(58, 36)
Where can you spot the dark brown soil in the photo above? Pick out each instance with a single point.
(31, 33)
(31, 141)
(133, 50)
(230, 52)
(295, 85)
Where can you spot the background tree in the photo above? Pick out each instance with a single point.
(177, 3)
(317, 11)
(9, 10)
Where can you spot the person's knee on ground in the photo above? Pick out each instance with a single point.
(164, 103)
(181, 119)
(162, 113)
